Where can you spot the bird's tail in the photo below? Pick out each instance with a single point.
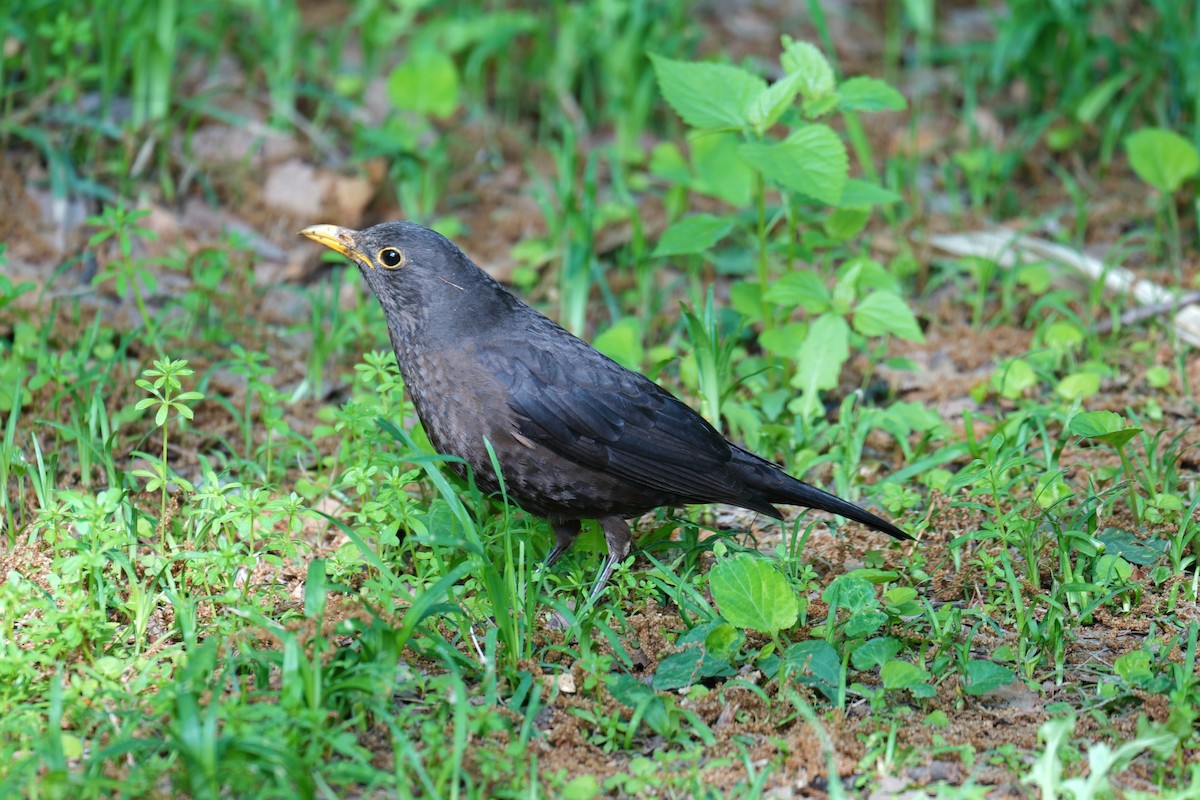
(802, 494)
(777, 486)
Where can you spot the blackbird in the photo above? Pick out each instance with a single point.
(577, 436)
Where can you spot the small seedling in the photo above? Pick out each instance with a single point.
(1112, 429)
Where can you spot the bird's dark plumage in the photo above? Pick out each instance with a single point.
(577, 435)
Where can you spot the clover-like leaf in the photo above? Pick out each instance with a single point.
(751, 593)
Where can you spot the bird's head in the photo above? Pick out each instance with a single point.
(411, 269)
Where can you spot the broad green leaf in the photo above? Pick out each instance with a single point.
(882, 313)
(851, 592)
(1051, 488)
(623, 343)
(901, 601)
(1158, 377)
(903, 675)
(723, 640)
(693, 234)
(846, 223)
(819, 362)
(869, 276)
(810, 64)
(1162, 158)
(916, 416)
(1104, 426)
(815, 663)
(863, 194)
(773, 101)
(1063, 335)
(1035, 276)
(720, 171)
(1134, 667)
(751, 593)
(784, 341)
(984, 676)
(689, 667)
(863, 623)
(800, 288)
(707, 95)
(582, 787)
(812, 161)
(1111, 568)
(869, 94)
(875, 652)
(1013, 377)
(425, 83)
(1134, 550)
(668, 163)
(1078, 385)
(746, 299)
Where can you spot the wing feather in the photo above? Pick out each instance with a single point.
(589, 409)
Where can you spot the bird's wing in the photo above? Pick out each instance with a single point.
(587, 408)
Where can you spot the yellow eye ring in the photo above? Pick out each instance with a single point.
(391, 258)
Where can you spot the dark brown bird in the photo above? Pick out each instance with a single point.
(577, 435)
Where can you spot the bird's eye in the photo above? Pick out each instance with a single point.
(390, 257)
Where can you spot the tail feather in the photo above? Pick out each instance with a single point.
(776, 486)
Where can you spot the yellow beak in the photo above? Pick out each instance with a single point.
(335, 238)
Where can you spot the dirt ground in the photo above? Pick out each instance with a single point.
(265, 193)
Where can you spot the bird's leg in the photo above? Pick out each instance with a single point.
(617, 537)
(565, 533)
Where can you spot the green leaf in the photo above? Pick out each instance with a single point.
(1063, 335)
(722, 641)
(903, 675)
(863, 623)
(668, 163)
(1134, 550)
(751, 593)
(800, 288)
(846, 223)
(863, 194)
(315, 588)
(693, 234)
(1134, 667)
(882, 313)
(746, 299)
(1162, 158)
(623, 343)
(869, 94)
(1098, 99)
(812, 161)
(901, 601)
(815, 663)
(1158, 377)
(819, 363)
(810, 64)
(1078, 385)
(773, 101)
(875, 652)
(707, 95)
(984, 676)
(582, 787)
(784, 341)
(1104, 426)
(1013, 377)
(720, 171)
(693, 665)
(853, 593)
(425, 83)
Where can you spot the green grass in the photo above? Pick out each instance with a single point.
(234, 566)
